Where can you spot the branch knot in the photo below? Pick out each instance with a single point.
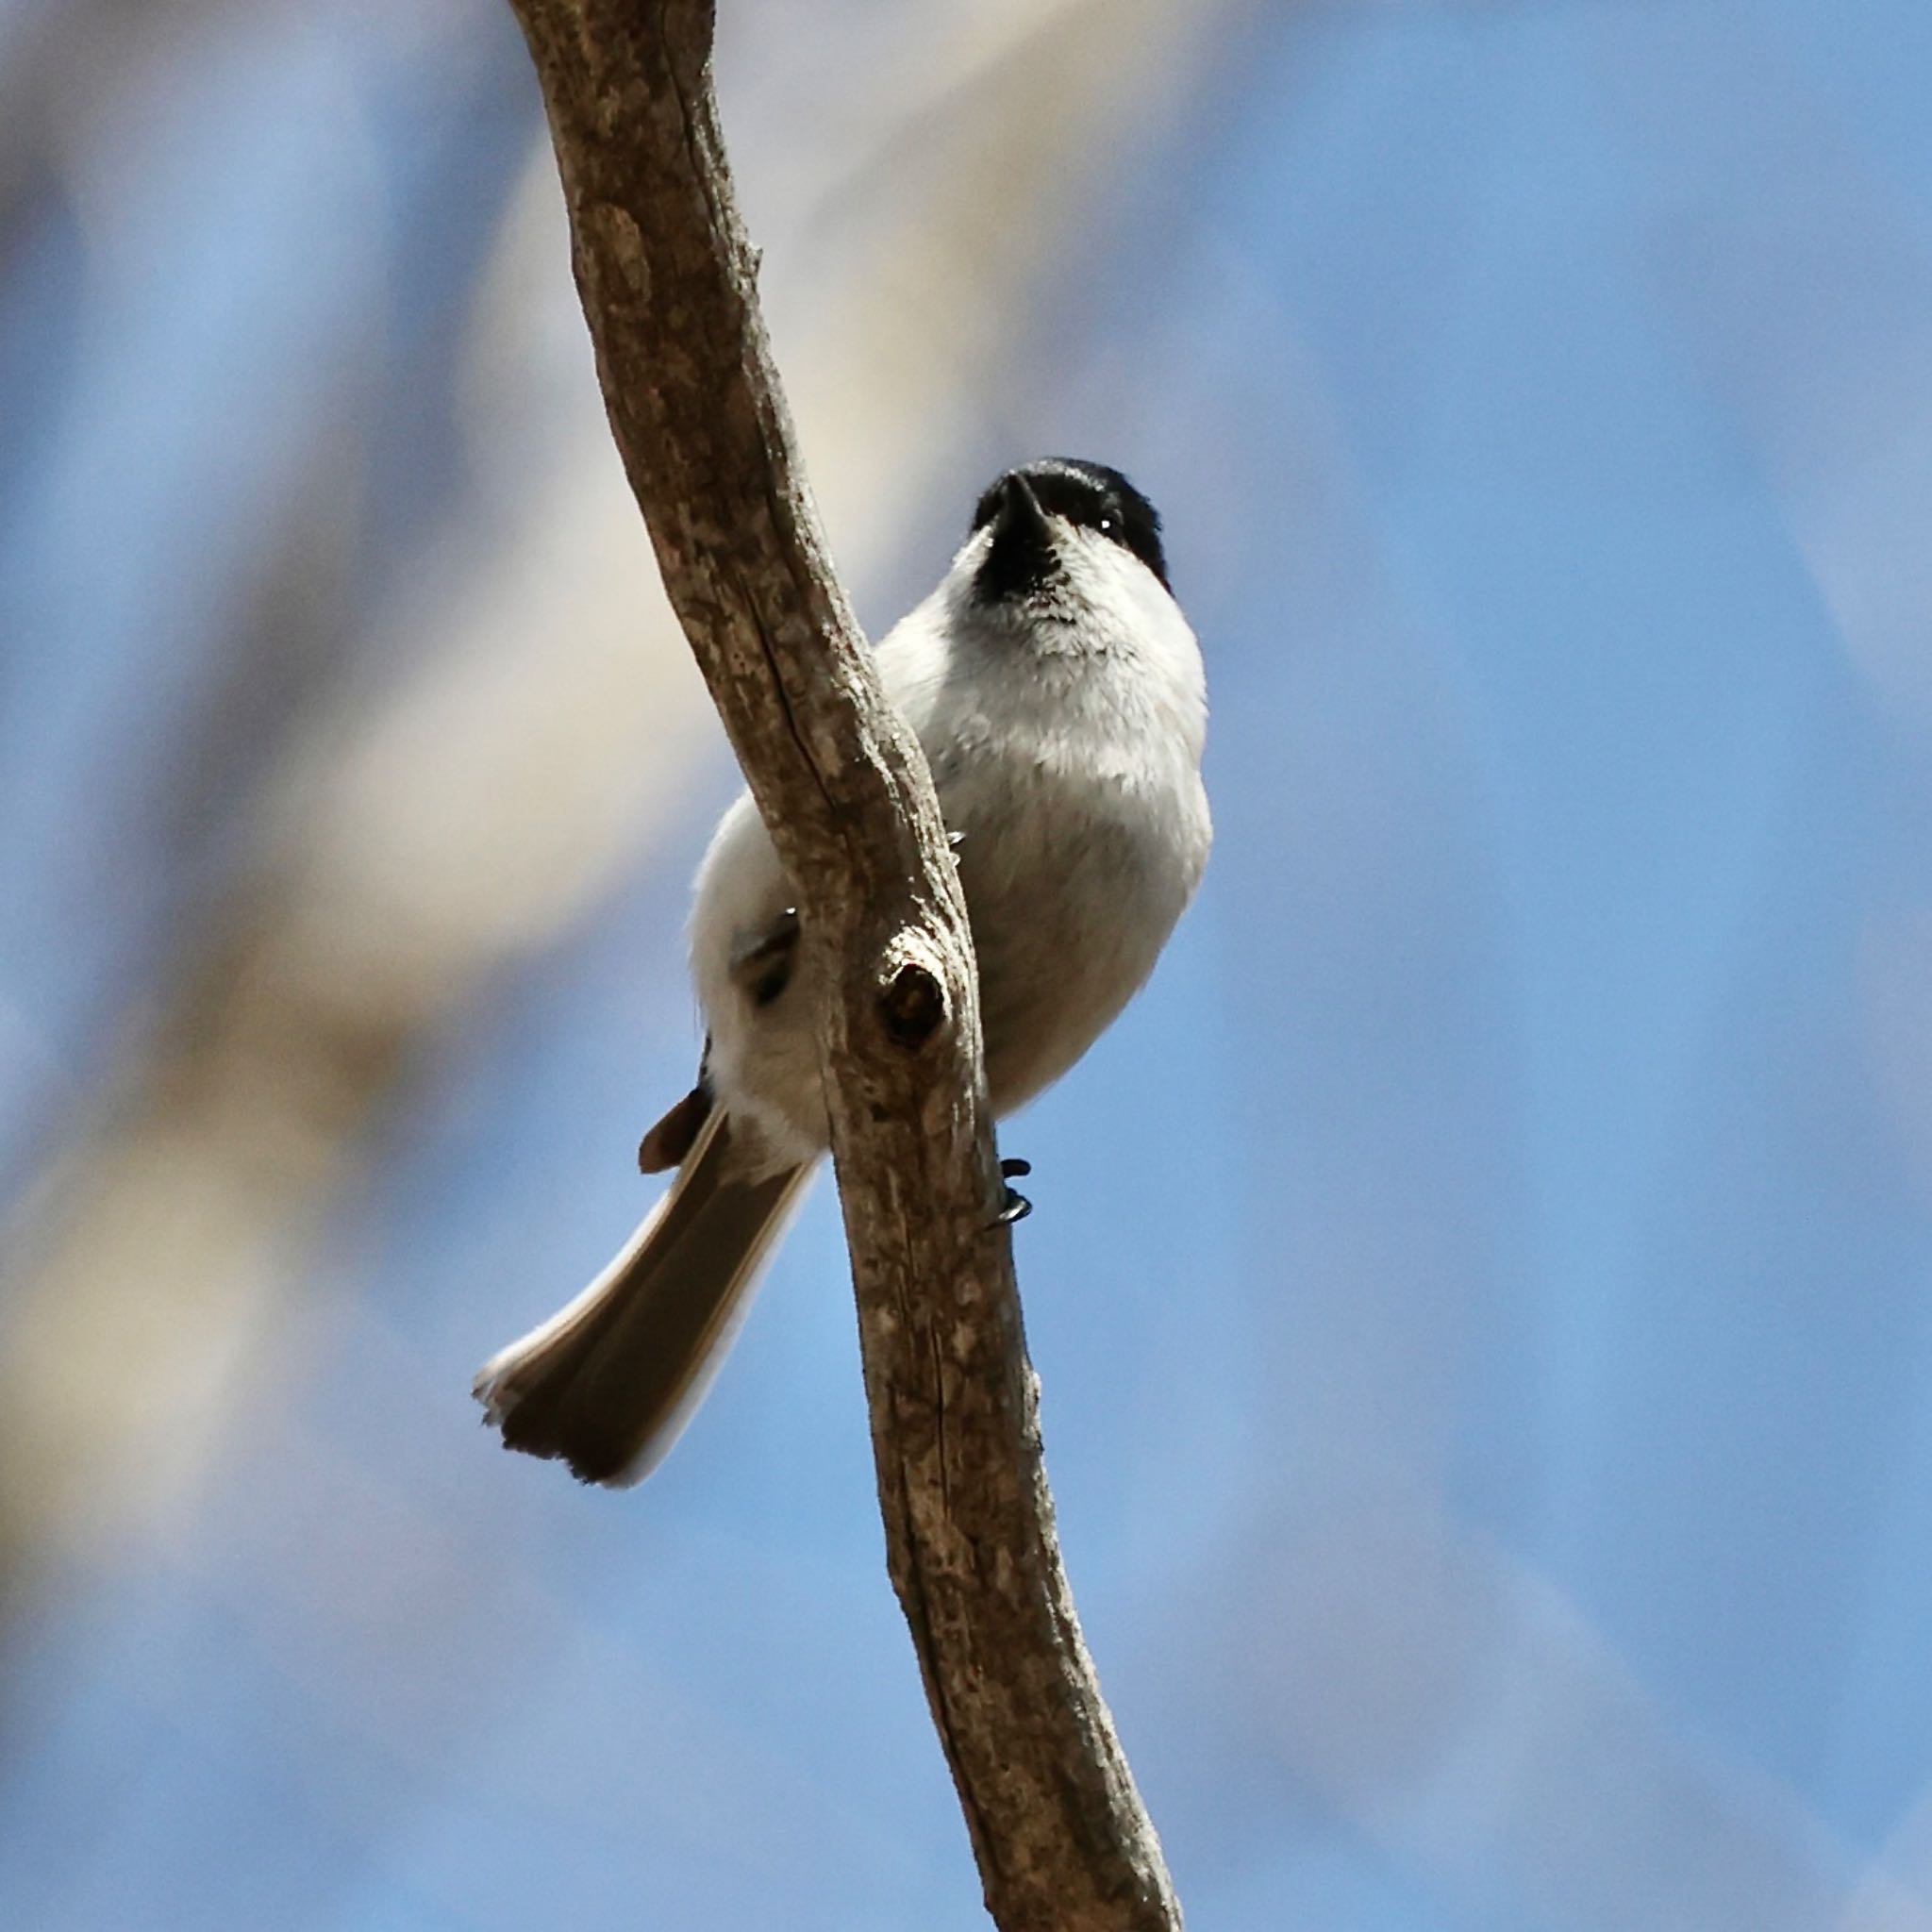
(912, 1004)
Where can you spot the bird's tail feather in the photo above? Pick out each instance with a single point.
(608, 1382)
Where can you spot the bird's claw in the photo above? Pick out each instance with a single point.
(1015, 1206)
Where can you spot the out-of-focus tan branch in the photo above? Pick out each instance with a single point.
(668, 282)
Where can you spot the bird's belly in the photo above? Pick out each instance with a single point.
(1069, 906)
(1073, 883)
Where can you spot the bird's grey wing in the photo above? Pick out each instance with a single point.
(761, 963)
(761, 968)
(673, 1137)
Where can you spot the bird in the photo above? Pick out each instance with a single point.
(1059, 697)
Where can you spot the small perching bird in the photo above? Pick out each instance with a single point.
(1057, 692)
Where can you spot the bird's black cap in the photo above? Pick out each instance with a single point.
(1091, 495)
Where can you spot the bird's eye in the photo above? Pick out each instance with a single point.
(1105, 523)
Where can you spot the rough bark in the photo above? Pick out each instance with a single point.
(668, 282)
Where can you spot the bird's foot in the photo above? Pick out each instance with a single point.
(1015, 1206)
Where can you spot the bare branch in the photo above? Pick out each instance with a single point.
(668, 282)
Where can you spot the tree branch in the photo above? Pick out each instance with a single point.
(668, 283)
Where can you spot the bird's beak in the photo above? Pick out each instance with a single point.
(1020, 510)
(1021, 556)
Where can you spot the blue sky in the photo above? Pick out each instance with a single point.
(1479, 1288)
